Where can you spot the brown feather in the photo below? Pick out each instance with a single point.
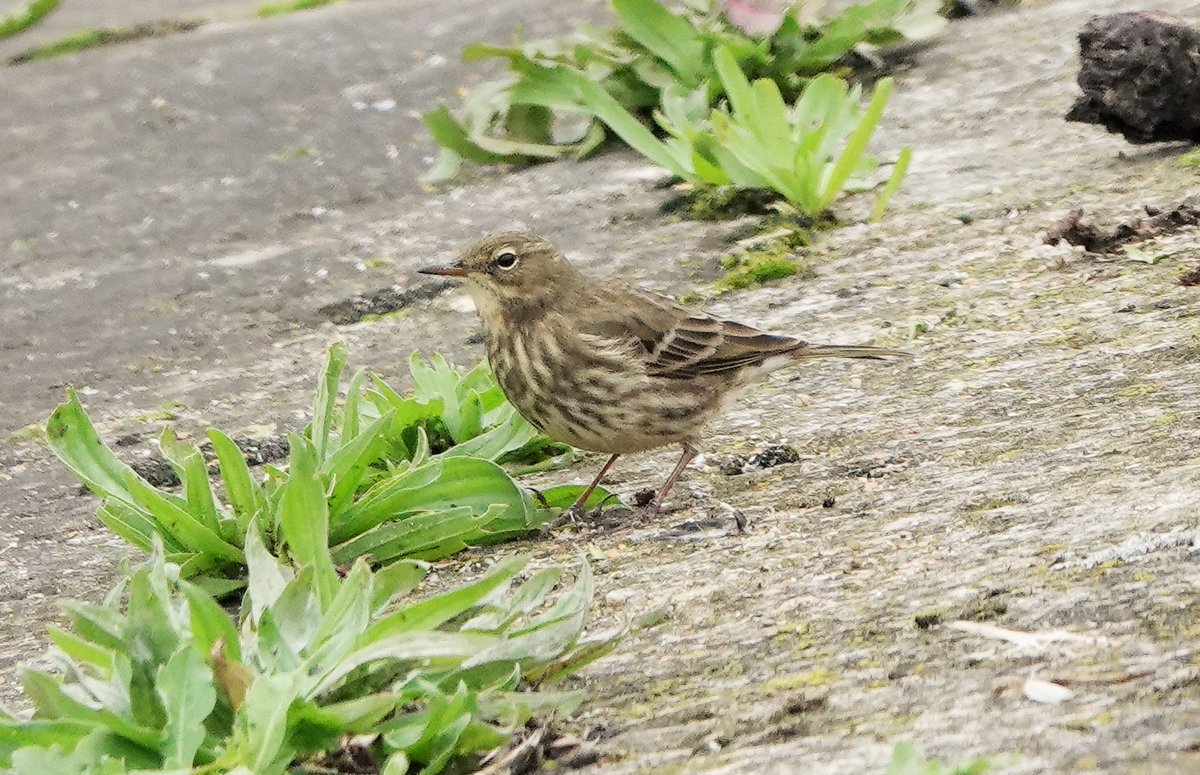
(680, 343)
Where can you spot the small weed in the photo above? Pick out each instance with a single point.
(25, 18)
(32, 432)
(288, 154)
(653, 59)
(105, 36)
(267, 10)
(907, 760)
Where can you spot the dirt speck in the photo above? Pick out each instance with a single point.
(1096, 239)
(381, 302)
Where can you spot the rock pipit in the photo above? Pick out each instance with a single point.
(611, 368)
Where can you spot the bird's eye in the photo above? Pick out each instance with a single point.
(506, 260)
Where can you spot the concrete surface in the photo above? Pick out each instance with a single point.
(1035, 466)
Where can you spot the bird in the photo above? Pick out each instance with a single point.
(613, 368)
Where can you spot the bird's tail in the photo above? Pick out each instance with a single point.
(848, 351)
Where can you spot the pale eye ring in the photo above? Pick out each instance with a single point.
(506, 260)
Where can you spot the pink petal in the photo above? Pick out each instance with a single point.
(756, 17)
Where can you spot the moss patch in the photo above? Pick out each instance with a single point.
(816, 677)
(761, 265)
(724, 203)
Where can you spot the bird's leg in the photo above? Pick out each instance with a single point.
(576, 509)
(689, 452)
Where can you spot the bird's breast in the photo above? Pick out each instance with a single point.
(594, 392)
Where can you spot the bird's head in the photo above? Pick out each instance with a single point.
(512, 273)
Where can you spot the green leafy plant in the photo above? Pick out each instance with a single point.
(651, 57)
(466, 413)
(160, 679)
(808, 152)
(907, 760)
(385, 473)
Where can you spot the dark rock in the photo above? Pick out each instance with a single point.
(157, 471)
(1140, 76)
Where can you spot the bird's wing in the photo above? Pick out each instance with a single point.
(682, 343)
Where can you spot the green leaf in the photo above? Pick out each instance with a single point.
(342, 622)
(245, 495)
(73, 438)
(396, 580)
(326, 399)
(893, 183)
(427, 536)
(856, 146)
(510, 434)
(429, 614)
(346, 467)
(734, 82)
(351, 418)
(82, 650)
(450, 134)
(98, 624)
(189, 465)
(396, 764)
(185, 686)
(264, 715)
(304, 518)
(545, 636)
(442, 484)
(181, 526)
(628, 128)
(445, 168)
(51, 702)
(432, 648)
(268, 578)
(65, 734)
(564, 496)
(209, 622)
(525, 599)
(357, 716)
(529, 123)
(132, 525)
(669, 37)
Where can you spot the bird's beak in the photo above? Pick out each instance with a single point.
(449, 270)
